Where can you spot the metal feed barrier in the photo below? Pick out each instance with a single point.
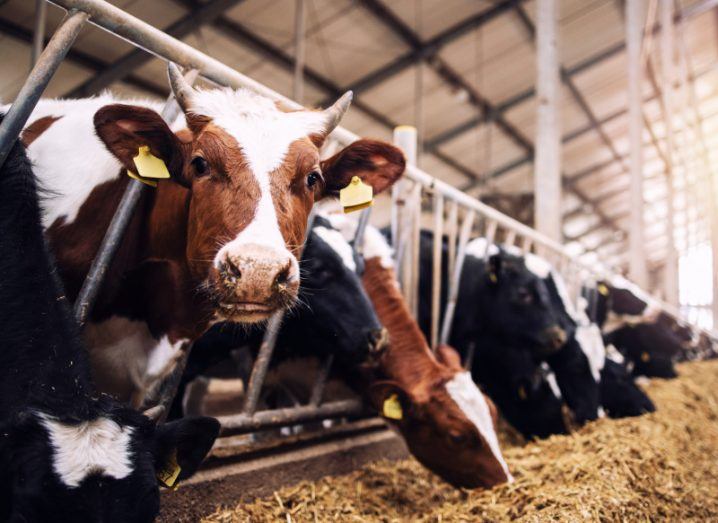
(454, 212)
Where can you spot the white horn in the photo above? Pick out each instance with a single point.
(336, 111)
(155, 413)
(181, 88)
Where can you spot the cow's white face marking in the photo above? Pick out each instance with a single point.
(336, 241)
(472, 403)
(591, 342)
(100, 446)
(264, 134)
(551, 380)
(477, 248)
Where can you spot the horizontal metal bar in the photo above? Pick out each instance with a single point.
(37, 81)
(267, 419)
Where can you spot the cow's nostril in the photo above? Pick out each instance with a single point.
(283, 277)
(230, 270)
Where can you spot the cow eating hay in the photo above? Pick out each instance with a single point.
(660, 466)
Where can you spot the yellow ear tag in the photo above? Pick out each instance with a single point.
(168, 475)
(645, 357)
(356, 196)
(602, 289)
(151, 183)
(392, 408)
(149, 166)
(522, 393)
(493, 277)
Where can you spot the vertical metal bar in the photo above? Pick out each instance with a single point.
(464, 237)
(37, 81)
(453, 220)
(634, 25)
(358, 242)
(667, 68)
(266, 349)
(299, 50)
(526, 244)
(405, 138)
(510, 237)
(38, 35)
(436, 267)
(322, 377)
(547, 166)
(116, 230)
(413, 260)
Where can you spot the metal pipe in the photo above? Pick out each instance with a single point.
(466, 228)
(116, 230)
(413, 260)
(634, 30)
(37, 81)
(245, 423)
(321, 382)
(299, 50)
(453, 227)
(436, 268)
(358, 243)
(266, 349)
(38, 34)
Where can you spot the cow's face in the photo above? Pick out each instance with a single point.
(253, 171)
(518, 303)
(102, 470)
(449, 425)
(339, 317)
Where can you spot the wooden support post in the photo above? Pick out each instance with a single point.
(634, 28)
(547, 166)
(667, 66)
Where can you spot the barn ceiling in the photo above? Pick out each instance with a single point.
(476, 62)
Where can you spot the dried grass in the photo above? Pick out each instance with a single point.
(663, 466)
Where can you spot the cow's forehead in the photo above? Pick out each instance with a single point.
(262, 130)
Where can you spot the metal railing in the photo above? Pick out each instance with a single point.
(478, 218)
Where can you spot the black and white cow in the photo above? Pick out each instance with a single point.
(67, 453)
(633, 322)
(335, 317)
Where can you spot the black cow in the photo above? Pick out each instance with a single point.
(336, 317)
(67, 453)
(650, 340)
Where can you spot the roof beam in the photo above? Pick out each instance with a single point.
(429, 49)
(82, 59)
(136, 58)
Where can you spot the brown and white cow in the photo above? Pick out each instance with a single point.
(448, 424)
(216, 243)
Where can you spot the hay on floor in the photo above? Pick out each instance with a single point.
(660, 466)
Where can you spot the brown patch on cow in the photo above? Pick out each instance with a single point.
(33, 131)
(437, 431)
(294, 205)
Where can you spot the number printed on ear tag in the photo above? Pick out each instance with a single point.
(167, 476)
(149, 166)
(356, 196)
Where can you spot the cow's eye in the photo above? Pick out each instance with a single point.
(458, 438)
(525, 296)
(313, 177)
(201, 166)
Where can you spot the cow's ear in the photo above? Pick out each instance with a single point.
(390, 400)
(125, 128)
(449, 357)
(377, 163)
(181, 446)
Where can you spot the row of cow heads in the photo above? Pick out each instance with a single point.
(253, 170)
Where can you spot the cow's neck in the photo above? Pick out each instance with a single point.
(408, 359)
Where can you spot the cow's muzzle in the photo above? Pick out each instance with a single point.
(256, 283)
(552, 339)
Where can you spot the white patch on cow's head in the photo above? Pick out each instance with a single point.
(590, 340)
(100, 446)
(375, 244)
(537, 265)
(477, 249)
(550, 377)
(264, 133)
(336, 241)
(472, 403)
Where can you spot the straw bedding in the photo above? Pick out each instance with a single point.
(662, 466)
